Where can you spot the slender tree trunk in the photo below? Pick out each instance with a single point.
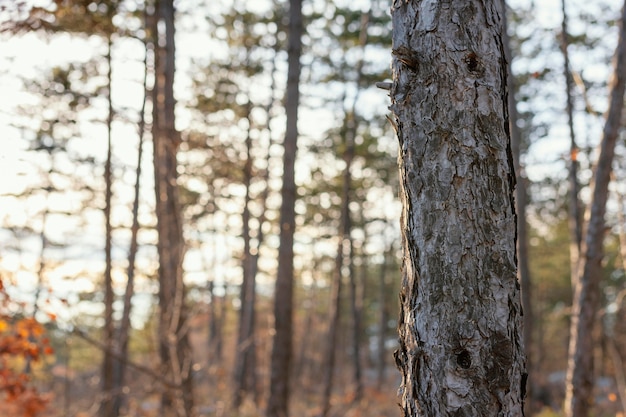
(383, 317)
(574, 215)
(254, 269)
(245, 364)
(618, 363)
(580, 371)
(354, 300)
(106, 405)
(461, 346)
(221, 319)
(174, 348)
(351, 131)
(521, 200)
(344, 258)
(343, 262)
(333, 322)
(41, 269)
(361, 296)
(307, 342)
(278, 402)
(123, 331)
(215, 328)
(244, 360)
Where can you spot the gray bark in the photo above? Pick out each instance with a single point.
(580, 371)
(460, 326)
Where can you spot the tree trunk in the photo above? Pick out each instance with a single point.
(308, 339)
(618, 364)
(106, 405)
(521, 202)
(574, 217)
(278, 402)
(461, 347)
(245, 352)
(383, 316)
(333, 324)
(355, 304)
(580, 371)
(174, 349)
(246, 364)
(123, 331)
(351, 131)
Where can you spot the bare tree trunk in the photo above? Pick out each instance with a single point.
(580, 371)
(383, 316)
(354, 307)
(351, 131)
(41, 269)
(123, 331)
(461, 346)
(308, 340)
(245, 352)
(221, 318)
(278, 402)
(214, 325)
(246, 364)
(574, 218)
(174, 348)
(334, 315)
(618, 363)
(521, 201)
(344, 257)
(106, 405)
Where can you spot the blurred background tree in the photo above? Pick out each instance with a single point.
(75, 76)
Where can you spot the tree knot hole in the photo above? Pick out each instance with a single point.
(471, 60)
(464, 359)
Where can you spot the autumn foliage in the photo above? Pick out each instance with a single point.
(22, 341)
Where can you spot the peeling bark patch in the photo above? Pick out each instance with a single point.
(464, 359)
(408, 57)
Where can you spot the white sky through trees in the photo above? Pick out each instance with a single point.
(31, 56)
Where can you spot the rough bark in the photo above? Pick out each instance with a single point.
(174, 348)
(278, 402)
(461, 347)
(521, 202)
(580, 371)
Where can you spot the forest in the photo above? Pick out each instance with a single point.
(316, 208)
